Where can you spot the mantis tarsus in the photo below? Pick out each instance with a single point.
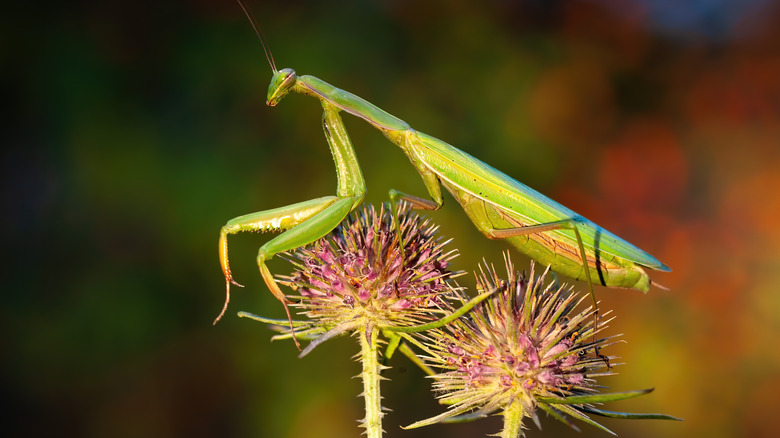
(499, 206)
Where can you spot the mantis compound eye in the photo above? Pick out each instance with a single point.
(289, 77)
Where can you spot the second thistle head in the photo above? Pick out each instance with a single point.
(524, 346)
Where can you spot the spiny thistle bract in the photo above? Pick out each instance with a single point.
(525, 347)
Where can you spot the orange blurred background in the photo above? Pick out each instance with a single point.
(136, 129)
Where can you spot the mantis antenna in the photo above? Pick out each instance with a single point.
(268, 55)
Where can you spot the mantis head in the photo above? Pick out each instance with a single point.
(281, 84)
(284, 79)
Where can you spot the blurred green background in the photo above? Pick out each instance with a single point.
(134, 130)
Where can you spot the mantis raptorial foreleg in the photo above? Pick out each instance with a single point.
(305, 222)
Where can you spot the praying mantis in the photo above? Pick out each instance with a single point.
(499, 206)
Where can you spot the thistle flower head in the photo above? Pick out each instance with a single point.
(361, 274)
(519, 350)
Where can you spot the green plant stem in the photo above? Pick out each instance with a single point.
(513, 421)
(369, 354)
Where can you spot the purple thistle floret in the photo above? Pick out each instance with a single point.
(360, 271)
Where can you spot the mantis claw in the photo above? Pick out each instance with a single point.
(223, 261)
(230, 279)
(274, 288)
(227, 300)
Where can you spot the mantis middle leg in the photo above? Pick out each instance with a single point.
(475, 210)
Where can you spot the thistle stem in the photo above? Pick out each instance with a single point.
(513, 421)
(371, 367)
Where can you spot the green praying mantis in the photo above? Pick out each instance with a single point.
(498, 205)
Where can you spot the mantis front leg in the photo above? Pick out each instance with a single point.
(305, 222)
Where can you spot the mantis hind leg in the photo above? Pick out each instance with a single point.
(571, 224)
